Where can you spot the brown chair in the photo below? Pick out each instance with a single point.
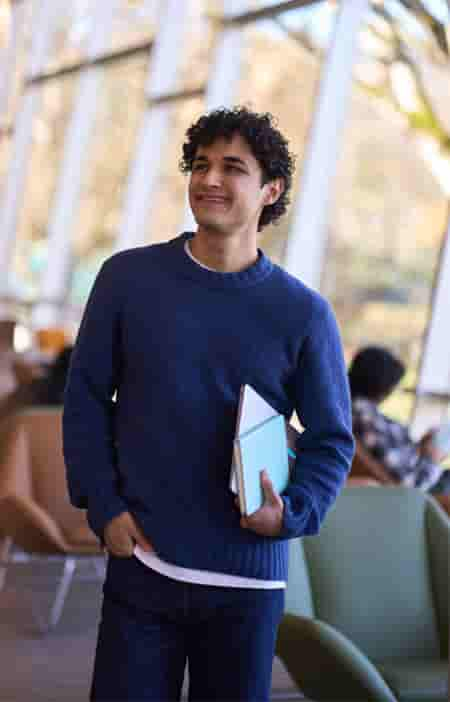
(35, 511)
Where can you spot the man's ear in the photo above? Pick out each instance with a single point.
(274, 188)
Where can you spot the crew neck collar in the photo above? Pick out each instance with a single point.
(187, 248)
(187, 265)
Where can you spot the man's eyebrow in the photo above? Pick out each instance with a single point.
(227, 159)
(234, 159)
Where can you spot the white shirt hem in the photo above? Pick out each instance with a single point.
(204, 577)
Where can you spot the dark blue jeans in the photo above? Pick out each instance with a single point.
(152, 625)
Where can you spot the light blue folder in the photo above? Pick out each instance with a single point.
(263, 447)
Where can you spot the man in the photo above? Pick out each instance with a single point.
(175, 329)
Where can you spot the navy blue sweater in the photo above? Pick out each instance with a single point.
(176, 342)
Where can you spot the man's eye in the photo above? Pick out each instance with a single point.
(199, 166)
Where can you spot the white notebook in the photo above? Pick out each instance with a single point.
(253, 410)
(263, 447)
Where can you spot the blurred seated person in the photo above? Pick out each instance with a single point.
(47, 389)
(384, 446)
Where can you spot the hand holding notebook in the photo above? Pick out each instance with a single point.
(268, 519)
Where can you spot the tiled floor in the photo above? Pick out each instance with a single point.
(57, 667)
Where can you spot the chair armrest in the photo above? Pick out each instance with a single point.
(444, 501)
(438, 537)
(326, 665)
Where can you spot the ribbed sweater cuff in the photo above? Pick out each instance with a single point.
(295, 518)
(101, 511)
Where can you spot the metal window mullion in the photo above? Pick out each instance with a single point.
(226, 71)
(241, 18)
(55, 280)
(12, 195)
(308, 235)
(9, 56)
(105, 59)
(434, 373)
(153, 134)
(224, 77)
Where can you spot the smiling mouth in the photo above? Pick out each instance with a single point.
(212, 200)
(211, 197)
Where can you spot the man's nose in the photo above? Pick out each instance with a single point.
(213, 177)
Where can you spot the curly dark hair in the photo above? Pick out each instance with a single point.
(266, 143)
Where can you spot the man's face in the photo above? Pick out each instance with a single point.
(225, 191)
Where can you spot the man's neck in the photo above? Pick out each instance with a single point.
(227, 255)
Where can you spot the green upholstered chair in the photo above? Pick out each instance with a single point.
(367, 613)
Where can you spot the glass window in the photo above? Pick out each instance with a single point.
(49, 129)
(14, 81)
(71, 35)
(280, 74)
(106, 170)
(133, 23)
(5, 151)
(265, 85)
(105, 173)
(199, 42)
(166, 219)
(390, 211)
(136, 21)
